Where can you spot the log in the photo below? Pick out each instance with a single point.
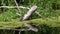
(29, 13)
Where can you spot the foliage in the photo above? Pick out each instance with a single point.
(9, 14)
(49, 9)
(45, 26)
(46, 8)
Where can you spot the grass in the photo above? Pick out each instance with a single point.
(9, 14)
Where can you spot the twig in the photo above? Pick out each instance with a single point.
(18, 7)
(39, 14)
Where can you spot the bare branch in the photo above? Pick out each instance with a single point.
(18, 7)
(14, 7)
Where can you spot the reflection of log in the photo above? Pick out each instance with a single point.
(29, 13)
(31, 27)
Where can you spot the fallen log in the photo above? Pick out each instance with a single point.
(29, 13)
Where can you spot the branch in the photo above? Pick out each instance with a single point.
(14, 7)
(18, 7)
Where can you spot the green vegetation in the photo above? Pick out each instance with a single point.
(51, 22)
(49, 9)
(44, 25)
